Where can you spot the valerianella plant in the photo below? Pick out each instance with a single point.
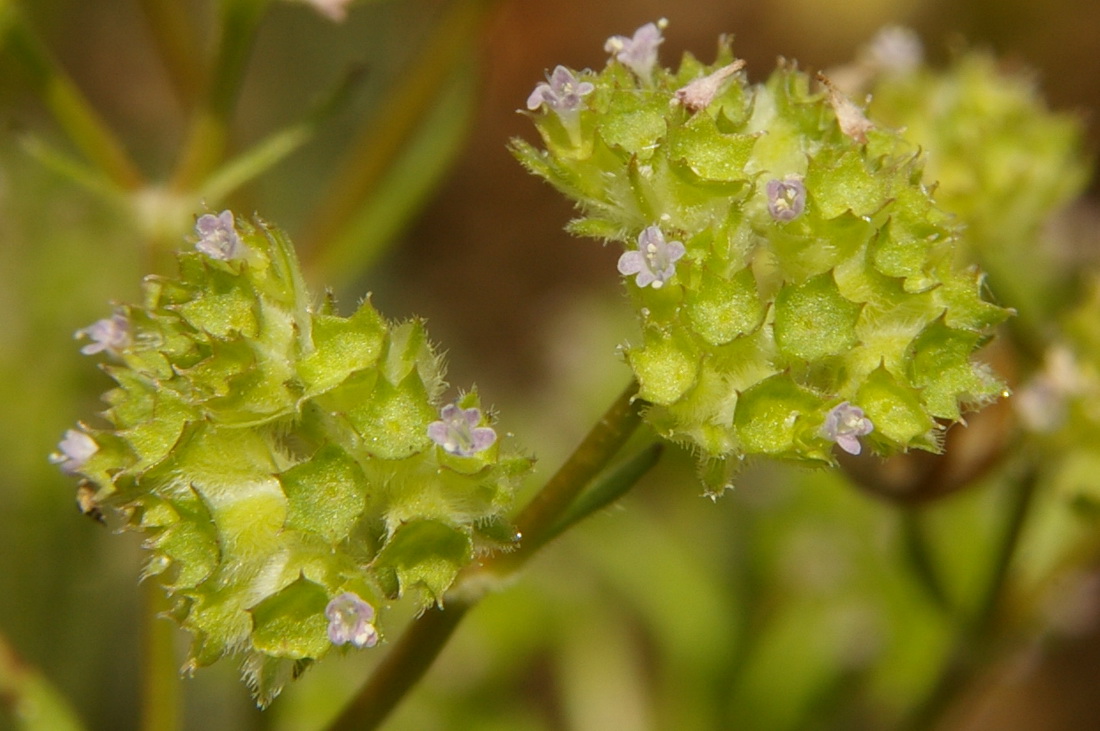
(797, 286)
(291, 470)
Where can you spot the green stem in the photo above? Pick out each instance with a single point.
(414, 653)
(978, 637)
(176, 41)
(160, 710)
(88, 132)
(919, 557)
(607, 488)
(536, 521)
(273, 149)
(368, 158)
(209, 132)
(68, 167)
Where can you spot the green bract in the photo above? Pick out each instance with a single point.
(278, 456)
(820, 287)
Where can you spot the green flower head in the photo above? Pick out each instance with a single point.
(797, 286)
(286, 465)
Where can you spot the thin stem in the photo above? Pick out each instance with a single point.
(414, 653)
(978, 636)
(175, 40)
(612, 484)
(536, 521)
(68, 167)
(275, 148)
(369, 157)
(88, 132)
(209, 133)
(919, 557)
(160, 710)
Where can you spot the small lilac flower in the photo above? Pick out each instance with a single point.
(700, 93)
(75, 449)
(458, 433)
(111, 334)
(845, 424)
(638, 53)
(562, 92)
(786, 198)
(654, 261)
(350, 620)
(218, 237)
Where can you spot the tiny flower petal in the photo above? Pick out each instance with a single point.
(638, 53)
(563, 93)
(75, 449)
(786, 198)
(350, 621)
(894, 49)
(334, 10)
(654, 261)
(851, 119)
(701, 92)
(458, 433)
(218, 237)
(110, 334)
(845, 424)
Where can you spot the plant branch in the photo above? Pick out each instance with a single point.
(977, 638)
(920, 559)
(72, 110)
(160, 708)
(176, 43)
(369, 157)
(273, 149)
(209, 133)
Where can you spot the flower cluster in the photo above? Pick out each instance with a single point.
(798, 288)
(291, 469)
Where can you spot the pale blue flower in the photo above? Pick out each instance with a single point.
(845, 424)
(786, 198)
(639, 52)
(458, 432)
(350, 621)
(74, 451)
(562, 92)
(218, 237)
(111, 334)
(654, 261)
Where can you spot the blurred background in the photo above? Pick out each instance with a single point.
(780, 606)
